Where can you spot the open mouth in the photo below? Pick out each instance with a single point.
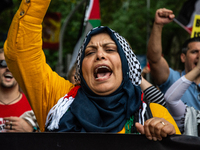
(102, 72)
(8, 76)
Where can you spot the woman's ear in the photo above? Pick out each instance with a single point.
(183, 57)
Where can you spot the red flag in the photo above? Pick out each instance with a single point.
(92, 19)
(186, 16)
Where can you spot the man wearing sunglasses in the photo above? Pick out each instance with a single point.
(16, 114)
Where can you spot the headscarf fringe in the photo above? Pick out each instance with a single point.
(58, 110)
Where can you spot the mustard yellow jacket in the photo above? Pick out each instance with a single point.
(26, 60)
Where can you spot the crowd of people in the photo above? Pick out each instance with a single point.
(181, 88)
(105, 90)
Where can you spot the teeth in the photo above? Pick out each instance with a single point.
(100, 78)
(101, 67)
(8, 75)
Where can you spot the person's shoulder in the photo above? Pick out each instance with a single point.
(174, 75)
(24, 97)
(24, 101)
(175, 72)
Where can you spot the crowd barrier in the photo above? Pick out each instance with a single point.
(93, 141)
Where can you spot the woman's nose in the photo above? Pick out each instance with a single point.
(100, 54)
(198, 54)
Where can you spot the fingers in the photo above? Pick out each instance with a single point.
(9, 126)
(10, 123)
(8, 130)
(164, 16)
(140, 128)
(148, 129)
(10, 118)
(17, 124)
(166, 13)
(158, 131)
(157, 128)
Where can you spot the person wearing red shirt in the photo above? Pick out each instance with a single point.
(16, 114)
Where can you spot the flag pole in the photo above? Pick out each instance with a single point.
(175, 20)
(59, 66)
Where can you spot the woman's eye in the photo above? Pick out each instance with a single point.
(89, 53)
(110, 50)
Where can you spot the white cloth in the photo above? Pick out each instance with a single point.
(173, 97)
(192, 119)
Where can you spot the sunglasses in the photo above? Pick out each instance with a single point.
(3, 64)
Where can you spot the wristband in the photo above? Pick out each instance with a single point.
(35, 129)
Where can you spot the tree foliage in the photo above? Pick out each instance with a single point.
(130, 18)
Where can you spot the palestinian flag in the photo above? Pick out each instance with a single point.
(187, 14)
(92, 19)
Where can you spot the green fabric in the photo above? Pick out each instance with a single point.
(95, 22)
(128, 125)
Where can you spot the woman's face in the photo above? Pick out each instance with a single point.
(101, 66)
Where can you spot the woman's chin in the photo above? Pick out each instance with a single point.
(104, 89)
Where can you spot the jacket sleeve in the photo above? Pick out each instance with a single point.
(26, 60)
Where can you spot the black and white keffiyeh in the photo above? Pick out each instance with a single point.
(133, 63)
(127, 96)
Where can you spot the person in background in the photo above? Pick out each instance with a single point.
(16, 114)
(186, 117)
(162, 74)
(145, 70)
(71, 75)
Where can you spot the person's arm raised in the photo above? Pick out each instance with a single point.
(27, 62)
(145, 84)
(159, 66)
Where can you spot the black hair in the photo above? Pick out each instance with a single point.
(185, 44)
